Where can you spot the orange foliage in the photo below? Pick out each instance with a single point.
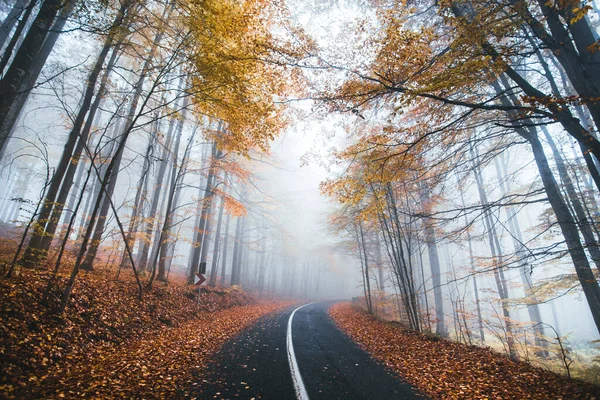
(238, 69)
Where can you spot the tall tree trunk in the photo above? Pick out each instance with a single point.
(7, 197)
(533, 308)
(11, 20)
(100, 222)
(436, 276)
(203, 234)
(215, 258)
(474, 277)
(46, 226)
(140, 196)
(243, 264)
(565, 220)
(152, 217)
(273, 277)
(74, 195)
(8, 51)
(584, 223)
(12, 116)
(496, 258)
(95, 191)
(113, 171)
(224, 251)
(263, 266)
(568, 227)
(161, 244)
(166, 249)
(204, 165)
(367, 278)
(379, 262)
(157, 235)
(20, 68)
(235, 278)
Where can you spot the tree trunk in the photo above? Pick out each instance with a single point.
(165, 256)
(16, 36)
(565, 220)
(204, 165)
(496, 258)
(20, 68)
(436, 277)
(152, 217)
(366, 269)
(113, 171)
(243, 264)
(73, 198)
(67, 181)
(224, 251)
(161, 244)
(379, 262)
(10, 20)
(42, 237)
(235, 271)
(138, 202)
(584, 223)
(95, 190)
(262, 267)
(517, 238)
(106, 196)
(568, 228)
(7, 197)
(215, 258)
(472, 265)
(203, 234)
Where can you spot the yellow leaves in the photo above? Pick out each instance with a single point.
(578, 13)
(236, 74)
(379, 159)
(404, 53)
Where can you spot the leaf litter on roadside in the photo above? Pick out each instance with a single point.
(447, 370)
(109, 344)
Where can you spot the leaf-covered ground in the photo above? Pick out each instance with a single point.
(109, 344)
(446, 370)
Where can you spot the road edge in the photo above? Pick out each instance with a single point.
(299, 387)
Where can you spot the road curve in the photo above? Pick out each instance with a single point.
(256, 363)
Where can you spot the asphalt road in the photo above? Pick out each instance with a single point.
(256, 364)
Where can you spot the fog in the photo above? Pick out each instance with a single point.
(459, 243)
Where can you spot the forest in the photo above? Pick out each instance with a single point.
(435, 161)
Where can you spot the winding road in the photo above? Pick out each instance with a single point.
(298, 354)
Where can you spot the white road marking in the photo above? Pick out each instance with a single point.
(296, 377)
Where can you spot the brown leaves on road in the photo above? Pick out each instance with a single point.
(160, 366)
(446, 370)
(109, 344)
